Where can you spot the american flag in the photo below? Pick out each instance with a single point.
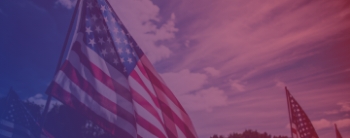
(17, 122)
(108, 78)
(301, 125)
(337, 133)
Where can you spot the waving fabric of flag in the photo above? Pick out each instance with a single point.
(108, 78)
(301, 125)
(17, 122)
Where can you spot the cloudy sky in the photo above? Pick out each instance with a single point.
(226, 61)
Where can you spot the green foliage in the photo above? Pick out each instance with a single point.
(64, 122)
(248, 134)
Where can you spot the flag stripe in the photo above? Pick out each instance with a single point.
(177, 120)
(82, 105)
(142, 112)
(99, 97)
(157, 82)
(145, 82)
(170, 125)
(6, 128)
(149, 127)
(111, 89)
(143, 76)
(13, 130)
(180, 117)
(145, 104)
(89, 101)
(143, 133)
(178, 111)
(173, 116)
(174, 111)
(140, 90)
(92, 58)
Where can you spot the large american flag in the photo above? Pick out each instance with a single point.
(17, 122)
(301, 125)
(108, 78)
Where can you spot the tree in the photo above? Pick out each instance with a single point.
(217, 136)
(248, 134)
(64, 122)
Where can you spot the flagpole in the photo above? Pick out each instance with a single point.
(48, 101)
(290, 120)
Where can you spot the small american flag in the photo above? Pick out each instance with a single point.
(301, 125)
(108, 78)
(17, 122)
(337, 133)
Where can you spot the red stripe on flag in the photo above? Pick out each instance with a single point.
(99, 74)
(6, 128)
(74, 103)
(158, 83)
(149, 127)
(177, 120)
(75, 77)
(161, 91)
(145, 104)
(136, 76)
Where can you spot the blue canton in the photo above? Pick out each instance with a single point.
(106, 35)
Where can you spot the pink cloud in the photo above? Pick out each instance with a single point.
(39, 100)
(67, 3)
(320, 124)
(139, 17)
(205, 99)
(212, 71)
(184, 81)
(236, 85)
(343, 123)
(345, 106)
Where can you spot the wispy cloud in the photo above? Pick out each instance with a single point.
(212, 71)
(323, 123)
(345, 106)
(184, 81)
(147, 27)
(41, 101)
(189, 89)
(261, 47)
(69, 4)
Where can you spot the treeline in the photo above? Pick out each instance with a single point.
(248, 134)
(63, 122)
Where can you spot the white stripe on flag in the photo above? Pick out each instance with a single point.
(179, 132)
(97, 84)
(144, 79)
(7, 124)
(94, 58)
(87, 100)
(5, 133)
(140, 90)
(144, 133)
(141, 111)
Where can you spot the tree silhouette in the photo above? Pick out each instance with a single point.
(248, 134)
(64, 122)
